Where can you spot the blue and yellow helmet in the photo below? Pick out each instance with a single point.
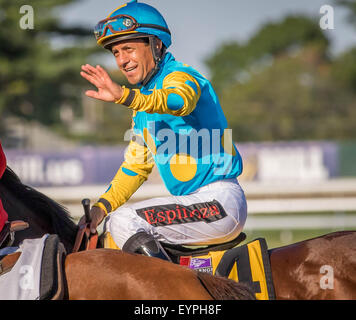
(132, 20)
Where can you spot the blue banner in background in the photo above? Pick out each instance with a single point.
(83, 166)
(292, 161)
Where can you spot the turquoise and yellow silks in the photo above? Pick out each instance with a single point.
(184, 131)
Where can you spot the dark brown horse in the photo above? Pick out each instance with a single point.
(319, 268)
(107, 273)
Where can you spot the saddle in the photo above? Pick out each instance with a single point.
(8, 261)
(177, 250)
(248, 263)
(7, 237)
(51, 285)
(52, 276)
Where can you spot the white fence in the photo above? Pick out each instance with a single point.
(270, 205)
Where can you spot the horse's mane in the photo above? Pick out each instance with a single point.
(37, 204)
(221, 288)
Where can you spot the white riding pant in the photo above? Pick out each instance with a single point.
(215, 213)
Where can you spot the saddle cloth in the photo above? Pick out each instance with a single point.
(37, 274)
(247, 263)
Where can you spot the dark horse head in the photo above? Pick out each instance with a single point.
(43, 214)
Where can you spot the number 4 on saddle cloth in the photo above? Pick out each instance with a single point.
(248, 263)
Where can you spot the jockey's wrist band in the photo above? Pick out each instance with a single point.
(127, 97)
(103, 204)
(99, 205)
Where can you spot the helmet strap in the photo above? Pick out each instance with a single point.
(158, 55)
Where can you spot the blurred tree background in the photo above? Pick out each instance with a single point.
(282, 84)
(351, 5)
(39, 74)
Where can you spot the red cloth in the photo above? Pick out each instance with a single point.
(3, 216)
(3, 213)
(2, 161)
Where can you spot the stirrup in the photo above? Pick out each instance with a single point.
(146, 244)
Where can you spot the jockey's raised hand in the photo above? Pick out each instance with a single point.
(107, 89)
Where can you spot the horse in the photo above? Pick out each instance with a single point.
(318, 268)
(108, 274)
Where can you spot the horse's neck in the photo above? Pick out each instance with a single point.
(43, 214)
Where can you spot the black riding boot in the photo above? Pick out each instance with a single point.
(146, 244)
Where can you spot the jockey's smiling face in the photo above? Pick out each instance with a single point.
(134, 58)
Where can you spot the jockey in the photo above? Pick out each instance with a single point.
(177, 125)
(3, 213)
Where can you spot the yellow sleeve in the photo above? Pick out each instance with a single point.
(179, 96)
(132, 173)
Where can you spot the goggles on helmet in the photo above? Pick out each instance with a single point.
(121, 24)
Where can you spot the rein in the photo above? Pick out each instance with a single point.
(85, 239)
